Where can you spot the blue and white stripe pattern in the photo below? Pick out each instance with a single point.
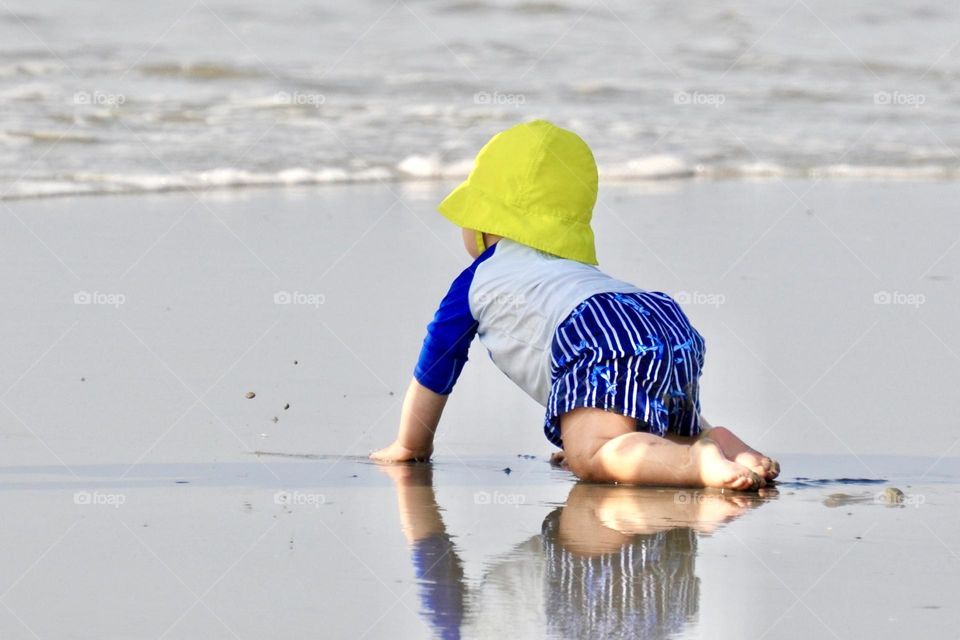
(631, 353)
(648, 589)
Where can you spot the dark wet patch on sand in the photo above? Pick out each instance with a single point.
(801, 483)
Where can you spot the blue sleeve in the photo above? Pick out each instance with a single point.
(449, 335)
(440, 581)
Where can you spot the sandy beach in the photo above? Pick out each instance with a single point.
(145, 495)
(220, 250)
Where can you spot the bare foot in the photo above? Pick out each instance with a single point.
(739, 451)
(719, 472)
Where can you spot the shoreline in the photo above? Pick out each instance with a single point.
(922, 176)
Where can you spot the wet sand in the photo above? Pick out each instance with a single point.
(342, 548)
(135, 506)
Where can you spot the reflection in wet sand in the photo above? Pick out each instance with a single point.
(612, 562)
(646, 588)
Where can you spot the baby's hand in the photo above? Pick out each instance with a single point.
(396, 452)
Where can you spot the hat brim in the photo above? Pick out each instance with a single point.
(471, 208)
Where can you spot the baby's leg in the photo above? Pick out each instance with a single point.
(602, 446)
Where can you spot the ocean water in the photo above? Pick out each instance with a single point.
(108, 96)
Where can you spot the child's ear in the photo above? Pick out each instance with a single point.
(470, 242)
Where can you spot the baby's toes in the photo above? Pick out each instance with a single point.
(765, 467)
(769, 470)
(748, 481)
(774, 470)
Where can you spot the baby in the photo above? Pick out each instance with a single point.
(616, 367)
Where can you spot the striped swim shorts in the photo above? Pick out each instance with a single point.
(635, 354)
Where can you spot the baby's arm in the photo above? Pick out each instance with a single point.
(438, 567)
(442, 356)
(418, 422)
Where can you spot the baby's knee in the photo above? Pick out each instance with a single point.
(584, 432)
(582, 463)
(579, 452)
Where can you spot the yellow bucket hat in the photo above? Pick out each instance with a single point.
(534, 183)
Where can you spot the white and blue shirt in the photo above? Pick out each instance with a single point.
(513, 297)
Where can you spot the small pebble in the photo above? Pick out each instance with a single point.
(83, 379)
(296, 362)
(276, 419)
(286, 406)
(507, 470)
(250, 395)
